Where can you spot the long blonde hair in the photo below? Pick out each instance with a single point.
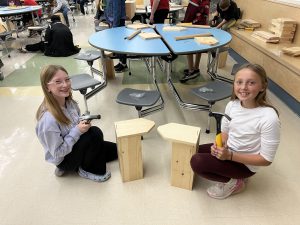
(261, 98)
(49, 103)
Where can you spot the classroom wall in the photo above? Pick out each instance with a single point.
(263, 11)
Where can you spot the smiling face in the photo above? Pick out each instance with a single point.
(60, 86)
(247, 85)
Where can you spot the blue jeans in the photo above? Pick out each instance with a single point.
(64, 10)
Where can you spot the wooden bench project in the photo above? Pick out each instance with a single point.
(129, 134)
(185, 142)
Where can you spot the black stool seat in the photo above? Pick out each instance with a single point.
(88, 56)
(138, 98)
(4, 34)
(213, 91)
(83, 81)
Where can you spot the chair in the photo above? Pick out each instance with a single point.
(212, 92)
(89, 3)
(38, 29)
(4, 36)
(138, 98)
(1, 73)
(87, 84)
(143, 98)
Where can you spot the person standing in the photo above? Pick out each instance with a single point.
(159, 11)
(197, 13)
(115, 16)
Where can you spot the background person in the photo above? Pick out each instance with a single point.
(63, 7)
(58, 40)
(197, 12)
(70, 144)
(159, 11)
(115, 16)
(250, 139)
(226, 15)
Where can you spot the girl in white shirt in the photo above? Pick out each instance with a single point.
(250, 138)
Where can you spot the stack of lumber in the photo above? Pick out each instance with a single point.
(285, 28)
(293, 51)
(250, 23)
(265, 36)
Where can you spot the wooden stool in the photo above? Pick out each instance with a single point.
(185, 142)
(62, 18)
(129, 134)
(109, 65)
(223, 57)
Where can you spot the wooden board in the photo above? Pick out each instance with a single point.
(173, 28)
(137, 26)
(293, 51)
(250, 23)
(147, 36)
(192, 25)
(138, 126)
(264, 40)
(184, 37)
(206, 40)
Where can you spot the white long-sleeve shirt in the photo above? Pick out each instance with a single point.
(59, 5)
(252, 131)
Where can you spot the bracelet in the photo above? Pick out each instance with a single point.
(231, 156)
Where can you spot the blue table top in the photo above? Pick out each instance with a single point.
(7, 11)
(188, 46)
(113, 40)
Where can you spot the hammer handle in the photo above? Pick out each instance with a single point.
(192, 36)
(219, 140)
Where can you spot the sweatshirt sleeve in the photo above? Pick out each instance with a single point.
(50, 136)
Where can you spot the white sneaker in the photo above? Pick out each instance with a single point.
(58, 172)
(94, 177)
(223, 190)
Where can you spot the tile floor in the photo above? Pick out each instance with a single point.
(31, 195)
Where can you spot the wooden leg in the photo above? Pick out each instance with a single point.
(130, 157)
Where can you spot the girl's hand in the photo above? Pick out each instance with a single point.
(221, 153)
(84, 126)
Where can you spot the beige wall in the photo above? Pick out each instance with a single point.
(263, 11)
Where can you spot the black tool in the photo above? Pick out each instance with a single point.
(88, 118)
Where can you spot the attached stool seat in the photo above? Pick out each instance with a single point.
(90, 56)
(212, 92)
(4, 36)
(38, 29)
(82, 82)
(138, 98)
